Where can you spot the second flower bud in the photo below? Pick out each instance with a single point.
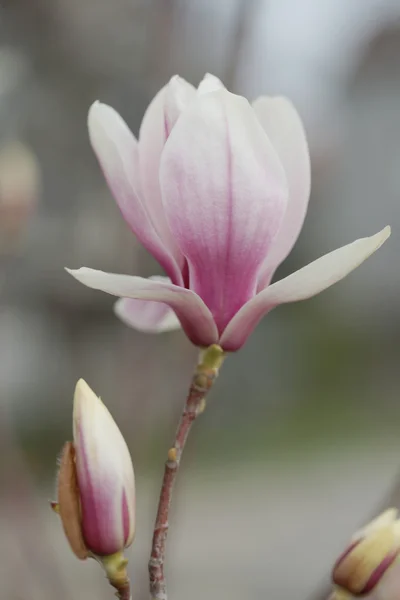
(96, 486)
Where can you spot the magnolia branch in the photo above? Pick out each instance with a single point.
(206, 372)
(124, 592)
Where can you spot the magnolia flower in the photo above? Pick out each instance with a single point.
(96, 488)
(370, 563)
(216, 190)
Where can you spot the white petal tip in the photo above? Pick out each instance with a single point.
(110, 137)
(83, 394)
(91, 278)
(386, 232)
(178, 83)
(73, 272)
(82, 387)
(94, 105)
(94, 111)
(380, 237)
(175, 79)
(78, 274)
(210, 83)
(101, 119)
(210, 77)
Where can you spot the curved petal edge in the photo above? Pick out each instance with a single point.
(285, 130)
(117, 151)
(146, 315)
(193, 314)
(304, 283)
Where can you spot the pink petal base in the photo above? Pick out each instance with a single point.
(305, 283)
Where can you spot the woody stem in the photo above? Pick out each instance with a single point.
(205, 374)
(124, 592)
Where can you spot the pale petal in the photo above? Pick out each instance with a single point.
(117, 151)
(158, 120)
(224, 193)
(191, 311)
(178, 95)
(307, 282)
(145, 315)
(105, 475)
(284, 128)
(210, 83)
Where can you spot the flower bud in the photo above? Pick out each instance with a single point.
(370, 553)
(96, 488)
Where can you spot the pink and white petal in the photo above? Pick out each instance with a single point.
(159, 118)
(305, 283)
(178, 95)
(152, 136)
(117, 151)
(284, 128)
(191, 311)
(224, 193)
(101, 500)
(105, 475)
(146, 316)
(210, 83)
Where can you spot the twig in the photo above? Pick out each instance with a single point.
(124, 591)
(206, 372)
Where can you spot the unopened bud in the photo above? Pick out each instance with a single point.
(369, 555)
(105, 475)
(96, 488)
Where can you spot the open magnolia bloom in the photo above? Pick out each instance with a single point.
(216, 189)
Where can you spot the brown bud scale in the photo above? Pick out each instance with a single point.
(69, 503)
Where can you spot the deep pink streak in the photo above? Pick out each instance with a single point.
(379, 572)
(97, 527)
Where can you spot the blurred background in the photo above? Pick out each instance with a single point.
(300, 440)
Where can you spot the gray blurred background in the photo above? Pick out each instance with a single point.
(300, 440)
